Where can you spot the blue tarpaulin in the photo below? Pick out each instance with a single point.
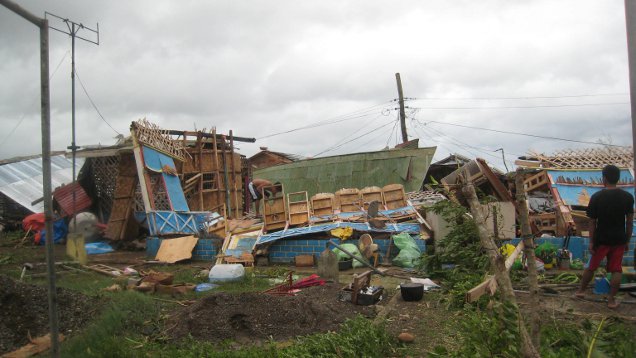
(96, 248)
(411, 228)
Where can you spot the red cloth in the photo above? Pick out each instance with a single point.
(614, 257)
(35, 223)
(313, 280)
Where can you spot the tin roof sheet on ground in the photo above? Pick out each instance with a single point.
(22, 181)
(398, 166)
(411, 228)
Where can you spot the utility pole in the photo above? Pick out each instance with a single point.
(45, 109)
(630, 22)
(73, 29)
(402, 113)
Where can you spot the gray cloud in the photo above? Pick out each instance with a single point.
(269, 66)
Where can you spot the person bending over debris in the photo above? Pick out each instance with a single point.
(256, 189)
(611, 213)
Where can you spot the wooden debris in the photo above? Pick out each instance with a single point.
(177, 249)
(36, 346)
(106, 270)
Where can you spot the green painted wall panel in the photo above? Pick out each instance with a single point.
(327, 175)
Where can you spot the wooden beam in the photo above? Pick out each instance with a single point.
(490, 284)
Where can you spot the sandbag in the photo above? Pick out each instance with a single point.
(409, 255)
(226, 272)
(351, 248)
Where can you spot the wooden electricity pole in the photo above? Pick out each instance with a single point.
(405, 138)
(45, 108)
(630, 22)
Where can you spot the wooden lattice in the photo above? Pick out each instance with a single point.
(588, 158)
(159, 139)
(104, 172)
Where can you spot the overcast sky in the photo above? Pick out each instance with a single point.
(552, 68)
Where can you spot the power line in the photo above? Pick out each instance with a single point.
(337, 119)
(341, 142)
(519, 133)
(391, 133)
(93, 103)
(486, 151)
(525, 107)
(360, 136)
(34, 99)
(517, 98)
(369, 141)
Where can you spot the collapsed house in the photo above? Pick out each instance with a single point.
(559, 188)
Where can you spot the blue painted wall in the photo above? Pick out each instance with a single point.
(204, 249)
(284, 250)
(578, 247)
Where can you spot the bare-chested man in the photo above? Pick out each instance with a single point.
(256, 189)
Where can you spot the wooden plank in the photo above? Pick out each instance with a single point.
(490, 284)
(35, 346)
(298, 209)
(178, 249)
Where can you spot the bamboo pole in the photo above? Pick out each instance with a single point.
(528, 241)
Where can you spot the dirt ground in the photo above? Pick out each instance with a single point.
(24, 312)
(256, 317)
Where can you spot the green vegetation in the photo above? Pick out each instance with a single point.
(461, 249)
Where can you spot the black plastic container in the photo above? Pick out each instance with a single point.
(345, 265)
(412, 291)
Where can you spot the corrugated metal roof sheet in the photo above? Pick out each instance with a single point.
(398, 166)
(22, 181)
(64, 197)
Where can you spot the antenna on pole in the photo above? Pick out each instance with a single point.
(72, 29)
(503, 158)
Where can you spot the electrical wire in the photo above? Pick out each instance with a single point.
(360, 136)
(524, 107)
(93, 103)
(519, 133)
(340, 142)
(380, 134)
(485, 151)
(31, 104)
(391, 133)
(337, 119)
(517, 98)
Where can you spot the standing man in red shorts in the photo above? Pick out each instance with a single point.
(611, 213)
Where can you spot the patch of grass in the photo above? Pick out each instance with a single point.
(356, 338)
(87, 283)
(11, 238)
(250, 283)
(118, 330)
(572, 339)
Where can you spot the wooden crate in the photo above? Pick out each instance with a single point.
(349, 200)
(394, 196)
(322, 204)
(298, 204)
(545, 222)
(371, 193)
(274, 210)
(536, 181)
